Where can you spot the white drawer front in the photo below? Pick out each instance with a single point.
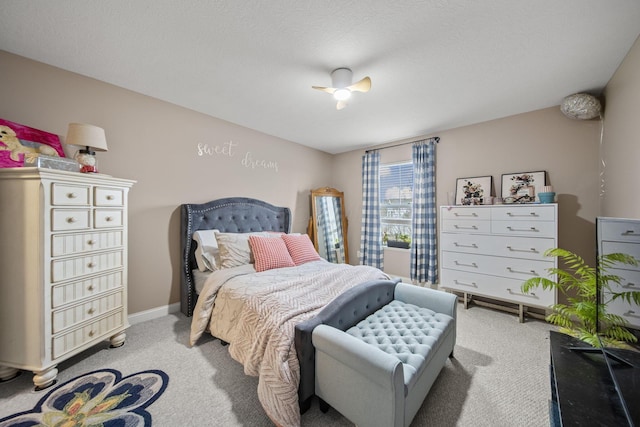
(624, 231)
(70, 219)
(109, 196)
(69, 317)
(523, 213)
(630, 280)
(70, 195)
(514, 268)
(622, 247)
(467, 243)
(522, 247)
(105, 218)
(66, 293)
(69, 244)
(64, 269)
(530, 229)
(94, 331)
(471, 212)
(470, 226)
(501, 288)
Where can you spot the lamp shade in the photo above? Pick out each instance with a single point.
(86, 136)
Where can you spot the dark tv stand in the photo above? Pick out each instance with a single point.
(582, 390)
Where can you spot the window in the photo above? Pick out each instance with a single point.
(396, 195)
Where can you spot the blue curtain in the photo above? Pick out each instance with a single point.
(424, 252)
(370, 232)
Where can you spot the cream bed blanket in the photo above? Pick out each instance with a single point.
(257, 313)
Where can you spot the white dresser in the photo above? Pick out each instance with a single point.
(621, 235)
(63, 267)
(491, 250)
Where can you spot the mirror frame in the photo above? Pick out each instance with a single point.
(312, 229)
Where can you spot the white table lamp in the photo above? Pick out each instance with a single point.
(92, 138)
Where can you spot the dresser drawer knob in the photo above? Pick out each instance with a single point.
(630, 285)
(459, 282)
(71, 220)
(90, 288)
(71, 195)
(473, 264)
(91, 242)
(91, 333)
(473, 214)
(522, 250)
(109, 197)
(109, 219)
(91, 311)
(521, 229)
(460, 245)
(513, 215)
(473, 227)
(522, 272)
(91, 264)
(511, 292)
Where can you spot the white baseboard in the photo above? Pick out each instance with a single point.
(154, 313)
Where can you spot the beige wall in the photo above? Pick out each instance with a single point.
(540, 140)
(621, 142)
(156, 143)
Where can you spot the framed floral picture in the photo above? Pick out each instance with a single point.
(18, 142)
(522, 187)
(473, 191)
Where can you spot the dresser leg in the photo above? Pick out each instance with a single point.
(118, 340)
(7, 373)
(46, 378)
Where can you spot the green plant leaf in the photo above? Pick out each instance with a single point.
(583, 317)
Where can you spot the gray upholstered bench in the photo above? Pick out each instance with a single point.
(378, 370)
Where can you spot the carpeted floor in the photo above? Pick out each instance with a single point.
(499, 376)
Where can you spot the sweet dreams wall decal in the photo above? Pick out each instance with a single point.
(228, 149)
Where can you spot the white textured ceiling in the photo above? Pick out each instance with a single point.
(434, 64)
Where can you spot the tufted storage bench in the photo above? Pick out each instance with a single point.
(378, 370)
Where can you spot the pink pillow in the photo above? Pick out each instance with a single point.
(300, 248)
(269, 252)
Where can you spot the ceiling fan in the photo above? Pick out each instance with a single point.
(342, 87)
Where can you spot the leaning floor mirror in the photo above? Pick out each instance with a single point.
(328, 224)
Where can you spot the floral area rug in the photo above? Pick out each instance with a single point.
(100, 398)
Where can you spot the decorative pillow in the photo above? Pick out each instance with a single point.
(300, 248)
(270, 253)
(234, 247)
(207, 253)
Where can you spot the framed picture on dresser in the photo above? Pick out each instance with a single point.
(522, 187)
(474, 190)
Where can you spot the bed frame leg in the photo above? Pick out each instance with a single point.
(324, 406)
(305, 405)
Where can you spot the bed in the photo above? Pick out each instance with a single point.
(256, 312)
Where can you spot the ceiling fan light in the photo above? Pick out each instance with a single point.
(342, 94)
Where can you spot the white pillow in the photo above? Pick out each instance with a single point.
(207, 252)
(234, 247)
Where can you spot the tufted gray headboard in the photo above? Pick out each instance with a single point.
(229, 215)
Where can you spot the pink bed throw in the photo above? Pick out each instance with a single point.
(257, 313)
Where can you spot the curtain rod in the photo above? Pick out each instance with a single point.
(437, 138)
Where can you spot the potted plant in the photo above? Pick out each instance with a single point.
(584, 316)
(400, 241)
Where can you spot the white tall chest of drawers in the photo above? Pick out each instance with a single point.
(490, 250)
(622, 235)
(63, 267)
